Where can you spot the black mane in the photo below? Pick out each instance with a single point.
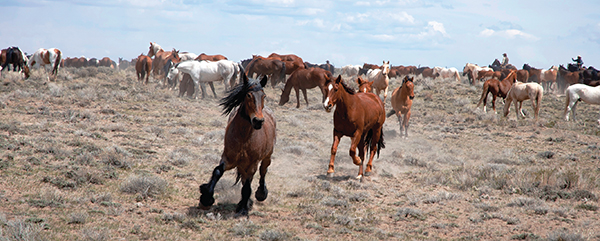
(235, 97)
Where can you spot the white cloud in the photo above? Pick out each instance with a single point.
(361, 3)
(437, 27)
(508, 34)
(487, 32)
(383, 37)
(433, 29)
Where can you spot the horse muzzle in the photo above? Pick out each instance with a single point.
(328, 107)
(257, 123)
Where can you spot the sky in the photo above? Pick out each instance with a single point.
(447, 33)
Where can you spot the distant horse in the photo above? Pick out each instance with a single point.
(474, 70)
(402, 71)
(566, 78)
(244, 63)
(548, 77)
(143, 66)
(215, 57)
(16, 57)
(206, 71)
(580, 92)
(446, 73)
(402, 99)
(106, 62)
(351, 71)
(366, 67)
(250, 138)
(123, 64)
(359, 116)
(534, 74)
(267, 66)
(498, 88)
(326, 66)
(589, 76)
(292, 62)
(380, 79)
(43, 57)
(364, 86)
(303, 79)
(93, 62)
(523, 91)
(160, 57)
(426, 73)
(185, 56)
(488, 74)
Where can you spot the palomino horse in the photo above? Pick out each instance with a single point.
(215, 57)
(143, 66)
(249, 140)
(43, 57)
(292, 62)
(580, 92)
(364, 86)
(206, 71)
(402, 99)
(267, 66)
(380, 79)
(446, 73)
(160, 57)
(359, 116)
(303, 79)
(523, 91)
(497, 88)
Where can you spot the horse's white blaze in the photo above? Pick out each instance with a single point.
(330, 87)
(365, 90)
(325, 102)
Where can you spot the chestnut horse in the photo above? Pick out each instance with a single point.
(303, 79)
(249, 140)
(267, 66)
(106, 62)
(216, 57)
(359, 116)
(160, 57)
(292, 62)
(364, 86)
(402, 99)
(143, 66)
(524, 91)
(43, 57)
(566, 78)
(497, 88)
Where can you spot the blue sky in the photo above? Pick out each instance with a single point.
(405, 32)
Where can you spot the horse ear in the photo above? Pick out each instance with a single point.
(338, 79)
(263, 82)
(244, 78)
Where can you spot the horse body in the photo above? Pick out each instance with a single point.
(185, 56)
(106, 62)
(402, 99)
(497, 88)
(565, 78)
(580, 92)
(43, 57)
(359, 116)
(351, 71)
(548, 77)
(143, 66)
(123, 64)
(16, 57)
(474, 70)
(303, 79)
(267, 66)
(523, 91)
(206, 71)
(215, 57)
(250, 138)
(292, 62)
(160, 57)
(380, 79)
(446, 73)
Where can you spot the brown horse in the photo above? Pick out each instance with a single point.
(143, 66)
(489, 74)
(249, 140)
(160, 57)
(366, 67)
(303, 79)
(566, 78)
(522, 75)
(402, 99)
(359, 116)
(267, 66)
(215, 57)
(364, 86)
(497, 88)
(106, 62)
(292, 62)
(534, 74)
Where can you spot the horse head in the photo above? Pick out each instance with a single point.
(332, 94)
(364, 86)
(408, 85)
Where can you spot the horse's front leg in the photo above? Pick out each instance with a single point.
(494, 104)
(262, 192)
(406, 118)
(354, 143)
(245, 205)
(361, 155)
(297, 96)
(207, 190)
(336, 141)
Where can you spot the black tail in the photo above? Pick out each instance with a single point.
(380, 143)
(391, 113)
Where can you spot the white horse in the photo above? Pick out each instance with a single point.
(206, 71)
(446, 73)
(380, 79)
(523, 91)
(351, 70)
(185, 56)
(43, 57)
(585, 93)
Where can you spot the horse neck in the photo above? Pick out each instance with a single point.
(345, 100)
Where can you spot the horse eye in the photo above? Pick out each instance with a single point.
(249, 95)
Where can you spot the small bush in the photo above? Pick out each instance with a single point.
(561, 236)
(21, 230)
(146, 186)
(78, 218)
(273, 235)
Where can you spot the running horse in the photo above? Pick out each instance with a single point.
(250, 138)
(380, 79)
(43, 57)
(267, 66)
(498, 88)
(303, 79)
(524, 91)
(359, 116)
(402, 99)
(364, 86)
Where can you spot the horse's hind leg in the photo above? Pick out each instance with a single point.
(406, 118)
(305, 98)
(207, 190)
(212, 87)
(262, 192)
(245, 205)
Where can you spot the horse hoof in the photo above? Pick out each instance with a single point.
(203, 207)
(261, 195)
(330, 175)
(359, 177)
(367, 174)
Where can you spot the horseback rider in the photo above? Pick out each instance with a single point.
(504, 60)
(578, 61)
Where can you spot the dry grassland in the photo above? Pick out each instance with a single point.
(98, 156)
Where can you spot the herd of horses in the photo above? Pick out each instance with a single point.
(250, 134)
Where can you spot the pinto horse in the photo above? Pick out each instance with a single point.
(380, 79)
(143, 66)
(267, 66)
(250, 138)
(43, 57)
(359, 116)
(580, 92)
(402, 99)
(498, 88)
(292, 62)
(206, 71)
(524, 91)
(303, 79)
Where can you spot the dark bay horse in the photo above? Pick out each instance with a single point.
(497, 88)
(292, 62)
(303, 79)
(267, 66)
(143, 66)
(359, 116)
(402, 99)
(14, 56)
(249, 140)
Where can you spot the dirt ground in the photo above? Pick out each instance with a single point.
(97, 155)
